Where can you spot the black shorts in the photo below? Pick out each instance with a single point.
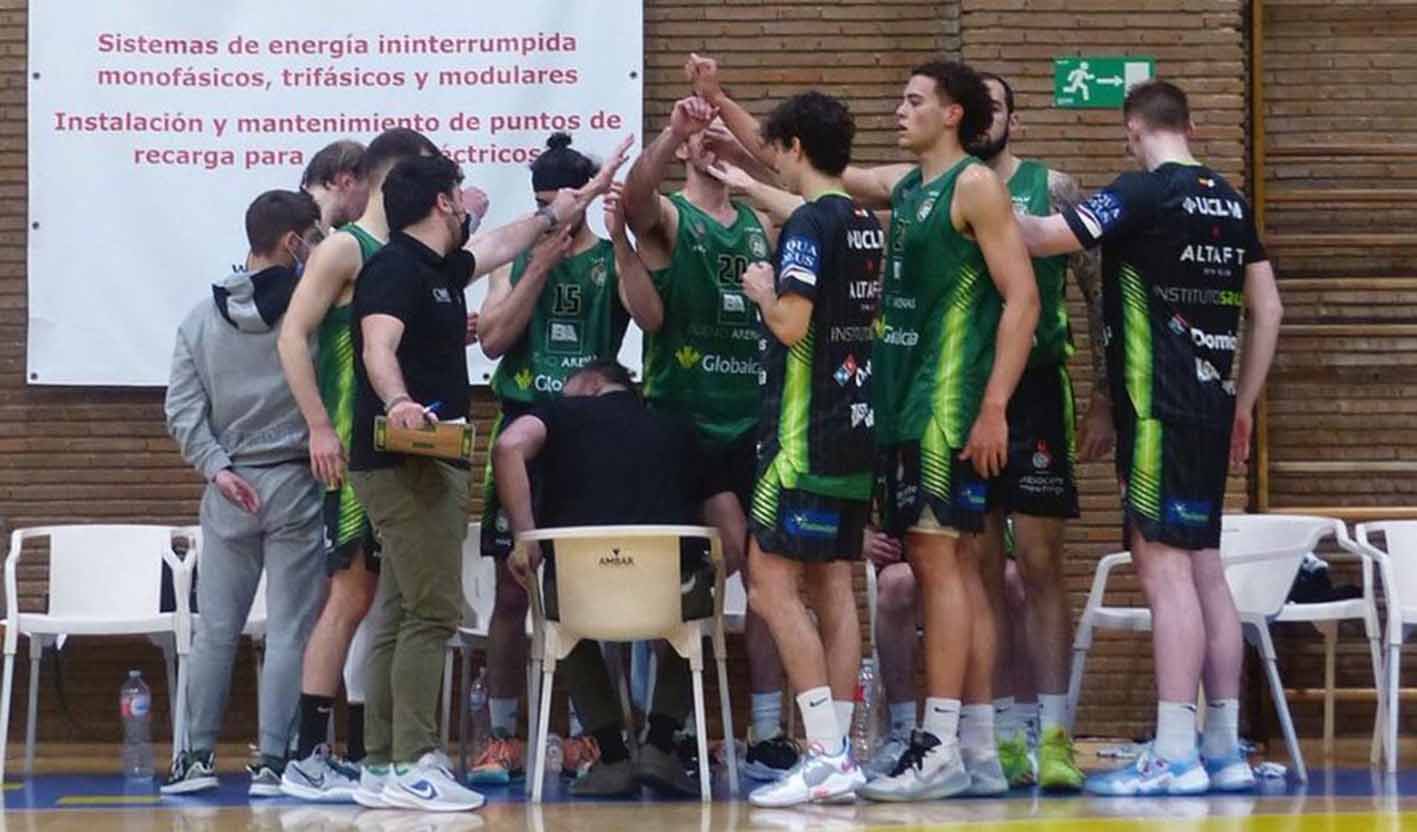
(348, 530)
(956, 494)
(1038, 479)
(732, 468)
(1173, 480)
(497, 538)
(807, 527)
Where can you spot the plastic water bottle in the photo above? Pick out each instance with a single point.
(553, 755)
(135, 705)
(864, 728)
(480, 726)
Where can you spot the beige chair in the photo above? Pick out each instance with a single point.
(623, 583)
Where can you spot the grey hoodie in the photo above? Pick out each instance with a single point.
(227, 400)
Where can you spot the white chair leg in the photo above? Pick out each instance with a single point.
(447, 694)
(649, 685)
(32, 719)
(168, 643)
(179, 709)
(533, 698)
(1281, 705)
(1330, 634)
(701, 724)
(6, 689)
(1375, 651)
(543, 722)
(627, 711)
(1075, 683)
(730, 739)
(1394, 668)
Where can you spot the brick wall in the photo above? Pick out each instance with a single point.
(1201, 48)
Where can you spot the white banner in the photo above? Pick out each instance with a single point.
(154, 123)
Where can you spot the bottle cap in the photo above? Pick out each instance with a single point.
(133, 674)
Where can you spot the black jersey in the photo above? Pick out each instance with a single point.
(816, 426)
(1175, 244)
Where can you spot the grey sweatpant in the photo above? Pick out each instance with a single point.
(286, 537)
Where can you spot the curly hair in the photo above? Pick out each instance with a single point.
(959, 84)
(822, 123)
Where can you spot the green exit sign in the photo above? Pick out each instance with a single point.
(1093, 82)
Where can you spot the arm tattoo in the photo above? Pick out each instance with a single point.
(1086, 266)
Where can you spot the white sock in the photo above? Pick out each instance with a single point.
(1175, 730)
(767, 715)
(819, 718)
(1053, 710)
(902, 717)
(976, 728)
(941, 718)
(503, 713)
(1222, 728)
(845, 709)
(1024, 714)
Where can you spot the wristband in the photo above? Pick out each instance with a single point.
(396, 401)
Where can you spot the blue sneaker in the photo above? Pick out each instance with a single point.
(1151, 775)
(1230, 773)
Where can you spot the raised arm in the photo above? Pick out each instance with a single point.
(703, 74)
(648, 213)
(502, 245)
(331, 269)
(872, 187)
(507, 309)
(1261, 338)
(983, 205)
(637, 292)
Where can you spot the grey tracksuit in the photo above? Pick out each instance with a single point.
(228, 406)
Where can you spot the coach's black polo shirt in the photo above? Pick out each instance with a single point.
(409, 281)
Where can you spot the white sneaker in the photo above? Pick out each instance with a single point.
(1230, 773)
(818, 777)
(372, 779)
(986, 773)
(320, 778)
(887, 755)
(1152, 775)
(929, 770)
(429, 786)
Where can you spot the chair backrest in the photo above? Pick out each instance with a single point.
(1400, 539)
(619, 583)
(479, 581)
(107, 571)
(1262, 587)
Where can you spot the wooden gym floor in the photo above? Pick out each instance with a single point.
(75, 791)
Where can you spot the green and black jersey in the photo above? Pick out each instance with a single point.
(578, 319)
(816, 429)
(939, 317)
(703, 362)
(1175, 244)
(1053, 338)
(334, 361)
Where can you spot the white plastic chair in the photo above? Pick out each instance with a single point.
(103, 580)
(1397, 563)
(1261, 554)
(623, 583)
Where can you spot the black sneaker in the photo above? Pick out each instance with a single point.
(686, 748)
(768, 760)
(191, 772)
(265, 777)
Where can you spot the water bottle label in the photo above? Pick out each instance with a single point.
(135, 706)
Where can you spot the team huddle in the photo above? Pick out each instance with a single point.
(848, 385)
